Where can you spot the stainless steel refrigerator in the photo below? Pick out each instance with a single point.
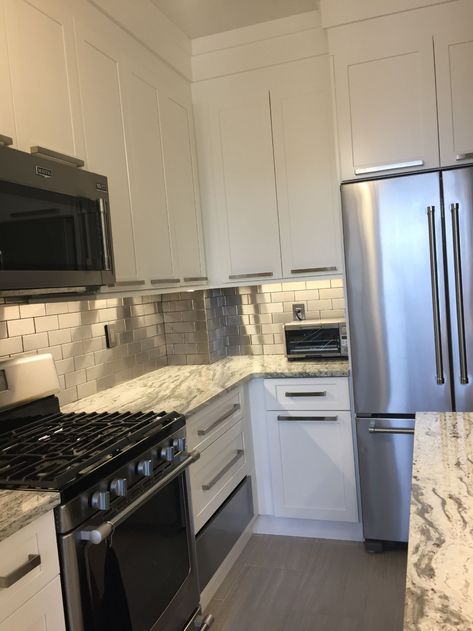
(408, 253)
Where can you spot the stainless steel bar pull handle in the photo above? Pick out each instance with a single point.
(6, 140)
(312, 270)
(467, 155)
(455, 208)
(239, 454)
(389, 167)
(55, 155)
(390, 430)
(316, 393)
(34, 560)
(435, 295)
(206, 430)
(253, 275)
(308, 418)
(103, 225)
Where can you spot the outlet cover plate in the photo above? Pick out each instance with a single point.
(298, 311)
(111, 336)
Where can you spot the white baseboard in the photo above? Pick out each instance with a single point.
(345, 531)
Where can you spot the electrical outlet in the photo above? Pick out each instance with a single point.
(298, 311)
(111, 337)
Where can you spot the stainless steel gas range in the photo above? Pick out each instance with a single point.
(124, 530)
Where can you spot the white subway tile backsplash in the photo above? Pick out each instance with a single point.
(20, 327)
(46, 323)
(31, 311)
(35, 341)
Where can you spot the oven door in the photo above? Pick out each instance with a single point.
(142, 576)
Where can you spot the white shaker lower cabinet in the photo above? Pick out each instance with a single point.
(311, 449)
(33, 600)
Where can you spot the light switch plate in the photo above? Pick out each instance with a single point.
(298, 311)
(111, 336)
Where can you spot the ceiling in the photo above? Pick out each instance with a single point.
(198, 18)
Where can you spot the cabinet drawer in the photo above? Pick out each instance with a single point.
(38, 539)
(214, 420)
(220, 468)
(43, 612)
(313, 394)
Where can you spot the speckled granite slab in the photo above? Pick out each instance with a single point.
(19, 508)
(188, 388)
(439, 589)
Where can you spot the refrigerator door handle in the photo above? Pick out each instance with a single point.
(455, 208)
(435, 295)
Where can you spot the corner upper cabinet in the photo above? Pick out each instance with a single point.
(234, 140)
(305, 164)
(43, 75)
(454, 70)
(385, 96)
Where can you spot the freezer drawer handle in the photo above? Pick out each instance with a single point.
(390, 430)
(435, 295)
(319, 393)
(308, 418)
(34, 560)
(468, 155)
(206, 430)
(457, 264)
(239, 454)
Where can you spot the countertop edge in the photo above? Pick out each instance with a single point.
(20, 508)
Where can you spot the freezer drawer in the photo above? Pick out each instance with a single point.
(385, 449)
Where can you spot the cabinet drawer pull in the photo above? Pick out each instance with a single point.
(317, 393)
(164, 281)
(129, 283)
(10, 579)
(55, 155)
(468, 155)
(308, 418)
(255, 275)
(220, 474)
(388, 167)
(311, 270)
(194, 279)
(6, 140)
(206, 430)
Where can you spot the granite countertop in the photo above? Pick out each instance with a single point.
(19, 508)
(439, 588)
(186, 389)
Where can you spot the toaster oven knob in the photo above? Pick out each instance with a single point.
(145, 467)
(179, 444)
(119, 487)
(100, 500)
(167, 453)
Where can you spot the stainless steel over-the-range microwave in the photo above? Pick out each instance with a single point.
(316, 339)
(54, 225)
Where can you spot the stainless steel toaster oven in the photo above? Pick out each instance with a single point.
(316, 339)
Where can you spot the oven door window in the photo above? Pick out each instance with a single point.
(323, 340)
(134, 575)
(42, 230)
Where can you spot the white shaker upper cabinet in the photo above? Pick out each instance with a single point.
(385, 97)
(304, 153)
(154, 256)
(181, 186)
(237, 178)
(454, 68)
(7, 121)
(43, 75)
(100, 83)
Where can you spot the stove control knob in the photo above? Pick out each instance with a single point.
(119, 487)
(145, 467)
(100, 500)
(167, 453)
(179, 444)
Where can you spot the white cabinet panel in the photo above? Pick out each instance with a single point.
(304, 151)
(104, 133)
(454, 69)
(154, 255)
(312, 465)
(43, 612)
(7, 121)
(182, 195)
(43, 75)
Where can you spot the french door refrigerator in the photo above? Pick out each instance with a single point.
(408, 253)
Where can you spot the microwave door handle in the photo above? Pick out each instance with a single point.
(104, 233)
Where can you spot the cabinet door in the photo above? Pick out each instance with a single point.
(43, 75)
(312, 465)
(237, 174)
(386, 100)
(100, 81)
(7, 121)
(154, 256)
(454, 69)
(306, 180)
(43, 612)
(181, 186)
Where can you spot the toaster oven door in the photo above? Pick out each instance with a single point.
(315, 342)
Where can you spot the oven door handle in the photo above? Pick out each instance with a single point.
(98, 534)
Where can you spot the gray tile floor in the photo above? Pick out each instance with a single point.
(295, 584)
